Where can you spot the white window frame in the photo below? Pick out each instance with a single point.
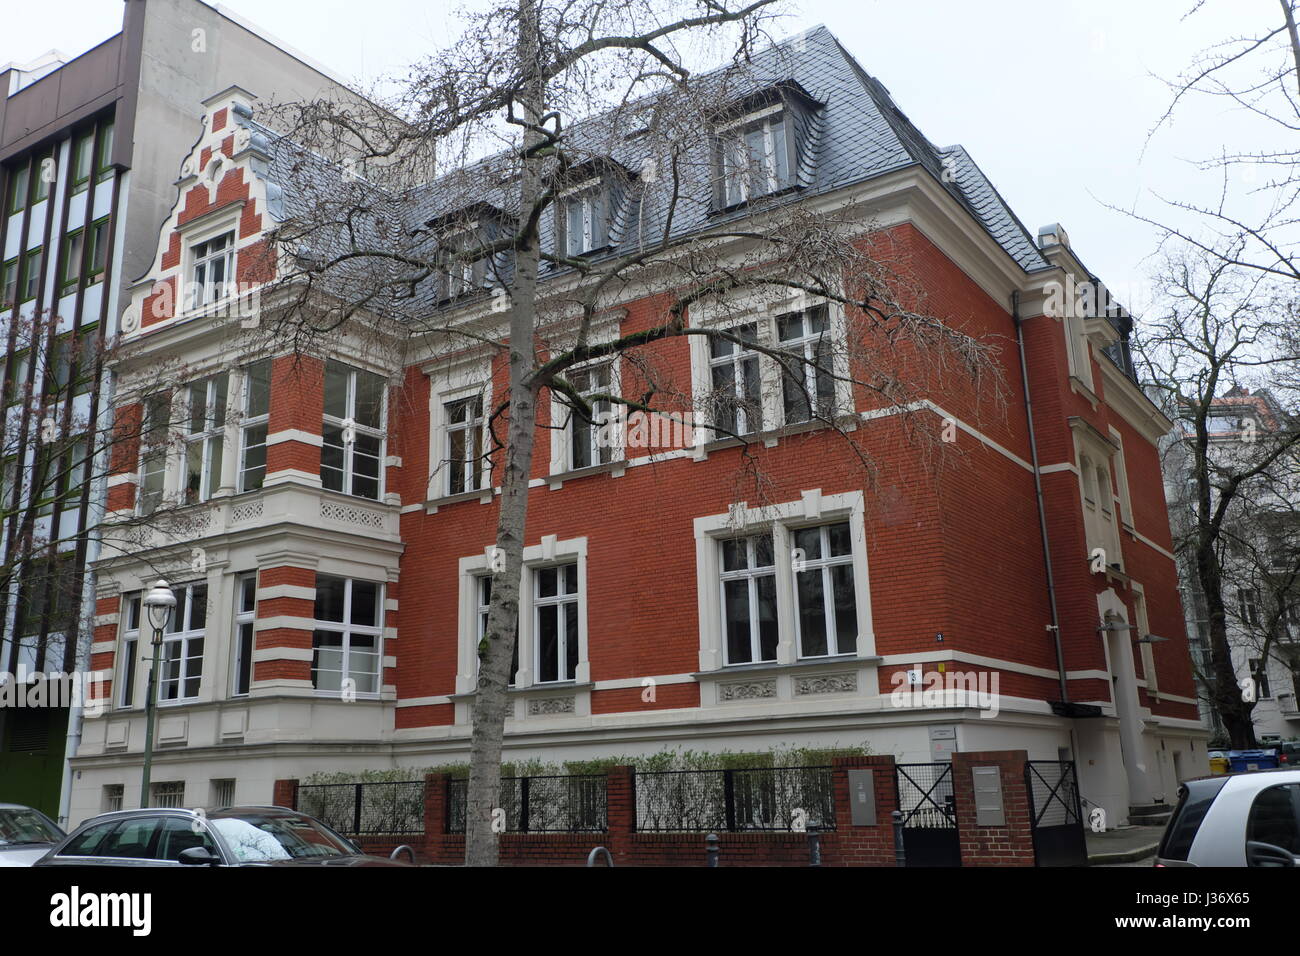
(475, 470)
(806, 345)
(564, 418)
(600, 454)
(735, 359)
(824, 566)
(764, 307)
(244, 618)
(549, 551)
(129, 662)
(211, 439)
(1143, 629)
(559, 600)
(350, 428)
(588, 194)
(183, 637)
(1097, 496)
(750, 574)
(1121, 479)
(348, 629)
(248, 423)
(204, 292)
(813, 508)
(736, 185)
(154, 458)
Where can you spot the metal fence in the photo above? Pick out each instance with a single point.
(925, 795)
(561, 804)
(366, 809)
(761, 798)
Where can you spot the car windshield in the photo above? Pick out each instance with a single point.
(23, 826)
(254, 838)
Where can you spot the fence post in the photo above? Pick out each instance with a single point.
(900, 853)
(285, 794)
(814, 845)
(620, 811)
(356, 809)
(523, 804)
(729, 798)
(711, 849)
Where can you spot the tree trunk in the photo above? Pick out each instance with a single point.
(483, 800)
(1233, 709)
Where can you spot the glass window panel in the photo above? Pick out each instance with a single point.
(767, 629)
(336, 389)
(812, 613)
(548, 650)
(809, 541)
(365, 603)
(736, 608)
(846, 608)
(330, 593)
(841, 540)
(546, 582)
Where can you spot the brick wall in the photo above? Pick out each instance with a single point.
(1009, 845)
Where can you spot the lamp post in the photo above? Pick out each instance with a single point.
(158, 605)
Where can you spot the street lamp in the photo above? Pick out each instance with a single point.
(158, 605)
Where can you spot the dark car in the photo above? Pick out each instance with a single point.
(26, 835)
(238, 836)
(1236, 819)
(1288, 754)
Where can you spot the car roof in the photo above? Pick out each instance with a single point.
(185, 812)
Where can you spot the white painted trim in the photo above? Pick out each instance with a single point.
(293, 434)
(282, 654)
(286, 591)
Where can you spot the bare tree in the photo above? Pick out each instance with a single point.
(505, 249)
(1219, 327)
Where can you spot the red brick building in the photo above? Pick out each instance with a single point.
(333, 573)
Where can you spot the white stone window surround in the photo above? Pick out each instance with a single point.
(602, 331)
(195, 233)
(736, 187)
(762, 306)
(452, 383)
(548, 552)
(812, 508)
(1094, 453)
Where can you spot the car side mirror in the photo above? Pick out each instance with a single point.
(198, 856)
(1266, 854)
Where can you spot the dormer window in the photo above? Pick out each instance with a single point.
(586, 221)
(755, 156)
(457, 275)
(212, 270)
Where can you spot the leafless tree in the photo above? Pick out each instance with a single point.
(1220, 327)
(537, 100)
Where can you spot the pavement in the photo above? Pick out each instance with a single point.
(1123, 846)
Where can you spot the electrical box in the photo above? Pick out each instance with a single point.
(943, 741)
(862, 797)
(989, 810)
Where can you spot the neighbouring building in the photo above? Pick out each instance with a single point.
(1260, 558)
(332, 590)
(89, 154)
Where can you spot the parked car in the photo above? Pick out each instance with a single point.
(1238, 819)
(26, 835)
(1288, 754)
(238, 836)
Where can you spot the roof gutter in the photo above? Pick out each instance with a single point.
(1055, 626)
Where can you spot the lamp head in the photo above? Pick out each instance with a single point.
(159, 603)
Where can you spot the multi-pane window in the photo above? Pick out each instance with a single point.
(346, 640)
(19, 184)
(1248, 606)
(555, 622)
(352, 440)
(457, 274)
(590, 441)
(253, 425)
(585, 226)
(204, 437)
(464, 450)
(749, 599)
(1259, 672)
(153, 451)
(483, 591)
(737, 397)
(1099, 509)
(755, 158)
(212, 269)
(245, 607)
(45, 174)
(223, 792)
(130, 648)
(8, 283)
(807, 381)
(30, 282)
(826, 613)
(82, 160)
(182, 649)
(112, 797)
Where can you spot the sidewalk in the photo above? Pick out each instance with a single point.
(1125, 845)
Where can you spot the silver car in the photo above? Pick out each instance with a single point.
(26, 835)
(1239, 819)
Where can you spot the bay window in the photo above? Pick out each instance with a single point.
(153, 452)
(347, 637)
(130, 649)
(352, 438)
(253, 425)
(245, 607)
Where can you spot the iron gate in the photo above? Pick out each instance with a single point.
(1055, 813)
(925, 799)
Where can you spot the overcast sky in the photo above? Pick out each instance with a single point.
(1053, 99)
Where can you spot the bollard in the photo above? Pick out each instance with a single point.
(711, 849)
(814, 845)
(900, 854)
